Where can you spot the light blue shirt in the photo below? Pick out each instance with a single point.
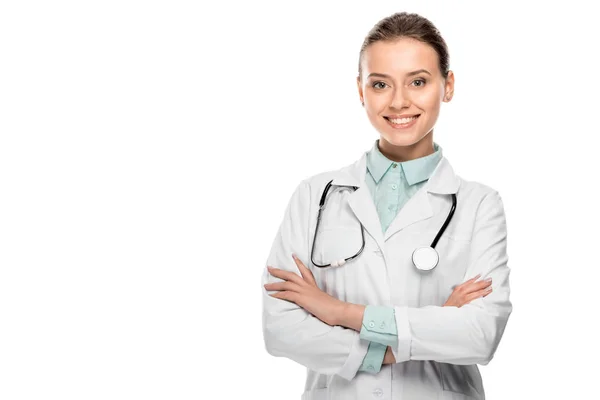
(391, 185)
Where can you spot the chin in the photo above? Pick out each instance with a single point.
(402, 139)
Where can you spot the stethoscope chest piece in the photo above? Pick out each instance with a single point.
(425, 258)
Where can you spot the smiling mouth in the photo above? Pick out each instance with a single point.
(402, 122)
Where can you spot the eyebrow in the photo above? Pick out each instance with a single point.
(409, 74)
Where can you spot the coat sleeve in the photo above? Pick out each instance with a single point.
(469, 334)
(290, 331)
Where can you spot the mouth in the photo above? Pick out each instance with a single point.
(402, 123)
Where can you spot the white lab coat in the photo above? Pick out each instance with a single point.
(438, 348)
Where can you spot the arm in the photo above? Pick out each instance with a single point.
(469, 334)
(289, 330)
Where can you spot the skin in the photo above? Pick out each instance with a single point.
(399, 92)
(393, 91)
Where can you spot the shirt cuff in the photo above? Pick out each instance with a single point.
(379, 325)
(374, 359)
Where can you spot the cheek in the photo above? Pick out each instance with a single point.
(377, 120)
(429, 101)
(375, 105)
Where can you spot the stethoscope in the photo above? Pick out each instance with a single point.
(424, 258)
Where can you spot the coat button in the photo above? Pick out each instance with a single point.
(378, 392)
(394, 186)
(372, 324)
(378, 252)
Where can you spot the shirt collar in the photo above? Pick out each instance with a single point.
(415, 171)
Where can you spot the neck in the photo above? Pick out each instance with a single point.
(422, 148)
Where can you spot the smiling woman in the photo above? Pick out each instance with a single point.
(403, 78)
(368, 322)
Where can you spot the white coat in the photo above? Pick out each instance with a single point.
(438, 348)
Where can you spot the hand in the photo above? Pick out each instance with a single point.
(468, 291)
(304, 292)
(389, 358)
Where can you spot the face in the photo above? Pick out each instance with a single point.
(402, 89)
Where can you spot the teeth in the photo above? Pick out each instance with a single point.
(400, 121)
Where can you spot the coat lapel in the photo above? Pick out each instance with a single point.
(361, 201)
(443, 180)
(419, 206)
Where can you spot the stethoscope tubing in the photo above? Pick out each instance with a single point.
(362, 230)
(448, 218)
(321, 207)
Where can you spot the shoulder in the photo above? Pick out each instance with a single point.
(306, 196)
(476, 189)
(317, 182)
(481, 197)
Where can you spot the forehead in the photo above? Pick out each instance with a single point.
(399, 57)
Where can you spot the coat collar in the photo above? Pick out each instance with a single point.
(443, 180)
(415, 171)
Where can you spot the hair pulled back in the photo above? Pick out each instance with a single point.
(408, 25)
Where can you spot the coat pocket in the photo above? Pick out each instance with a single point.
(459, 380)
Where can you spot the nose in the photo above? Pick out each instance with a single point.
(400, 99)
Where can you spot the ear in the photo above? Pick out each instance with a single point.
(449, 87)
(360, 91)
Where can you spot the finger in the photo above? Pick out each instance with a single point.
(306, 273)
(478, 294)
(278, 286)
(285, 275)
(473, 287)
(473, 279)
(463, 286)
(483, 284)
(288, 296)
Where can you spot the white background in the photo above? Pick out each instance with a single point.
(148, 150)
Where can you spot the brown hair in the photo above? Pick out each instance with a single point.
(409, 25)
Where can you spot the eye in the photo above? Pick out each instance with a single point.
(423, 81)
(374, 85)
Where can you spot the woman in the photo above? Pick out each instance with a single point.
(374, 325)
